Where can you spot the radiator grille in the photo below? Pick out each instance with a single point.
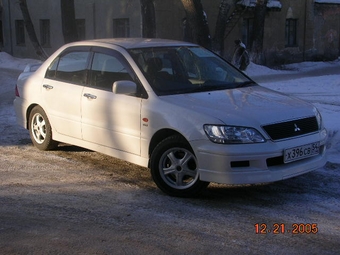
(292, 128)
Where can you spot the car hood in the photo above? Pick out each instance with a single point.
(249, 106)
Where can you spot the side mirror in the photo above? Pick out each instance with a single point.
(124, 87)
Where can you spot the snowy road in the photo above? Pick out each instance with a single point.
(74, 201)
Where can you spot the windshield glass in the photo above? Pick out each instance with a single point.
(177, 70)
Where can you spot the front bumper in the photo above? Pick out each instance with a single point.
(255, 163)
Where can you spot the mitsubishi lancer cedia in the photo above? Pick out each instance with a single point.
(174, 107)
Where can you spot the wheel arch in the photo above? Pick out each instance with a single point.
(173, 165)
(28, 112)
(160, 135)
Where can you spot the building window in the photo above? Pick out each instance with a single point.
(121, 28)
(80, 23)
(20, 32)
(291, 27)
(45, 33)
(247, 30)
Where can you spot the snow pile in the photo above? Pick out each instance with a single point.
(308, 66)
(258, 70)
(327, 1)
(252, 3)
(274, 4)
(9, 62)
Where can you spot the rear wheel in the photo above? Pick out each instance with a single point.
(40, 130)
(174, 168)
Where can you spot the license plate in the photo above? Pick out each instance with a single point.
(301, 152)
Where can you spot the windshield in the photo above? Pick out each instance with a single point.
(177, 70)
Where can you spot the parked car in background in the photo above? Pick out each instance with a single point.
(174, 107)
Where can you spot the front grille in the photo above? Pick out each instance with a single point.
(292, 128)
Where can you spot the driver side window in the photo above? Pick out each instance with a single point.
(107, 69)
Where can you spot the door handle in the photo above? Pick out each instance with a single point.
(90, 96)
(48, 87)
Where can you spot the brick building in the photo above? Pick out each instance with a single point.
(295, 31)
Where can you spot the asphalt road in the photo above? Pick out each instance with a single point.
(75, 201)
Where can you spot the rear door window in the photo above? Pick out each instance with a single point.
(70, 67)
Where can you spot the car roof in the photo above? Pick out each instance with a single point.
(130, 43)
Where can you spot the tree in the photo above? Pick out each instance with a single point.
(68, 21)
(197, 29)
(256, 40)
(148, 18)
(31, 31)
(221, 23)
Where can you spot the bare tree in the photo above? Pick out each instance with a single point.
(256, 40)
(197, 30)
(31, 31)
(148, 18)
(68, 21)
(221, 23)
(196, 23)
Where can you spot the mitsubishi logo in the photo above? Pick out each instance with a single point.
(297, 129)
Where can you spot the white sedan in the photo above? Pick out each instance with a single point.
(174, 107)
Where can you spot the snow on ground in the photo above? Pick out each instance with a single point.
(258, 70)
(323, 91)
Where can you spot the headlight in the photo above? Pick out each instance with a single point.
(233, 134)
(318, 118)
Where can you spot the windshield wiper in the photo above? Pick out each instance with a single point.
(245, 84)
(204, 88)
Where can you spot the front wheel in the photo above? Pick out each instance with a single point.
(174, 168)
(40, 130)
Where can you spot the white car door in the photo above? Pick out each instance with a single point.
(62, 91)
(109, 119)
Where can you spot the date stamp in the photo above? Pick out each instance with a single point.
(282, 228)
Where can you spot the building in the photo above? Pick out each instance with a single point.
(295, 31)
(95, 19)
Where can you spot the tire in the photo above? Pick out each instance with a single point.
(40, 130)
(174, 168)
